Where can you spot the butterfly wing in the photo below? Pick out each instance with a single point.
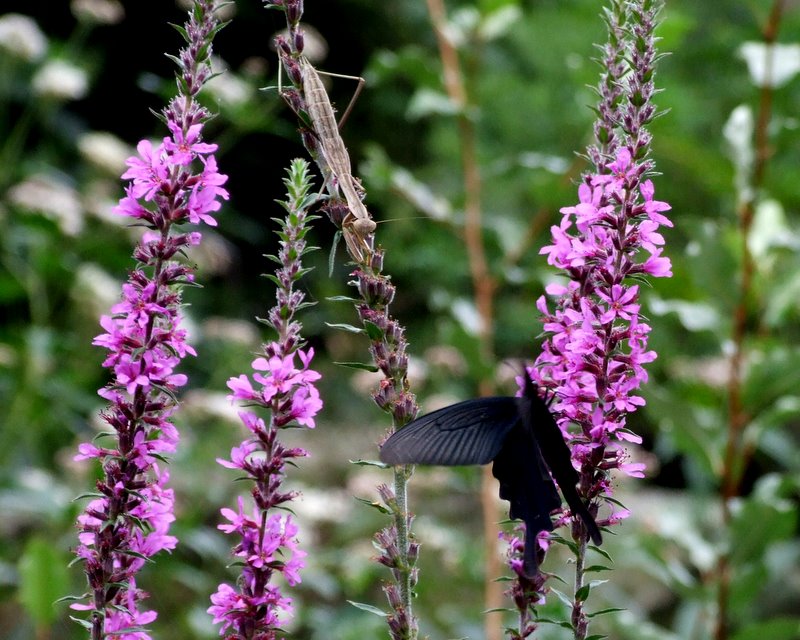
(470, 432)
(526, 483)
(538, 420)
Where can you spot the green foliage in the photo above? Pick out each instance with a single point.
(43, 580)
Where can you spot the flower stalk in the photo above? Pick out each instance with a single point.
(128, 519)
(388, 344)
(596, 347)
(737, 452)
(255, 607)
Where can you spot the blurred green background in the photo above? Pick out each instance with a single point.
(75, 89)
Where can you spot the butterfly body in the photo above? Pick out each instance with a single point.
(524, 443)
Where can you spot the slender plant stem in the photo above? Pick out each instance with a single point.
(737, 453)
(484, 288)
(401, 475)
(578, 615)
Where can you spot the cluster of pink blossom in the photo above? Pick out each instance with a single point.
(128, 520)
(593, 358)
(267, 541)
(595, 354)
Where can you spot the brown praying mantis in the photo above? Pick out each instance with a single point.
(357, 226)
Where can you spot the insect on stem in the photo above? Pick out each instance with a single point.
(358, 226)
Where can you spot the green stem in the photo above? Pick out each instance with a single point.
(579, 622)
(401, 475)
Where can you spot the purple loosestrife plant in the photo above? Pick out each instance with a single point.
(596, 347)
(254, 608)
(388, 345)
(128, 519)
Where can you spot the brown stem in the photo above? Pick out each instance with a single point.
(484, 288)
(736, 454)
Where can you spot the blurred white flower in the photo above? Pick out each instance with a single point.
(210, 404)
(771, 65)
(230, 330)
(61, 80)
(94, 290)
(324, 505)
(99, 199)
(98, 11)
(105, 151)
(21, 36)
(45, 194)
(215, 255)
(230, 89)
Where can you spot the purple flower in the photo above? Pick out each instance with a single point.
(184, 147)
(593, 357)
(267, 541)
(130, 522)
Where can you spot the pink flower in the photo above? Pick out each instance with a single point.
(183, 148)
(266, 540)
(596, 347)
(144, 345)
(149, 171)
(620, 301)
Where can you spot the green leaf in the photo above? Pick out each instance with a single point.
(603, 612)
(344, 327)
(370, 463)
(43, 578)
(427, 102)
(499, 22)
(563, 597)
(362, 366)
(375, 505)
(342, 299)
(775, 629)
(368, 608)
(597, 567)
(760, 520)
(332, 255)
(374, 332)
(273, 278)
(583, 593)
(86, 624)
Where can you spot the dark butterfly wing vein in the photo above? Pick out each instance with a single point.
(470, 432)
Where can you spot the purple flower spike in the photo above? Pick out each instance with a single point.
(592, 360)
(267, 541)
(129, 520)
(594, 357)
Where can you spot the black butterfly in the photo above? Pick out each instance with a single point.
(522, 438)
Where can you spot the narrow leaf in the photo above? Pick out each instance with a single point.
(362, 366)
(369, 608)
(370, 463)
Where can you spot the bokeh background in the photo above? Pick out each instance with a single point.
(77, 83)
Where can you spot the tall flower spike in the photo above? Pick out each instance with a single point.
(596, 347)
(128, 521)
(388, 344)
(255, 606)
